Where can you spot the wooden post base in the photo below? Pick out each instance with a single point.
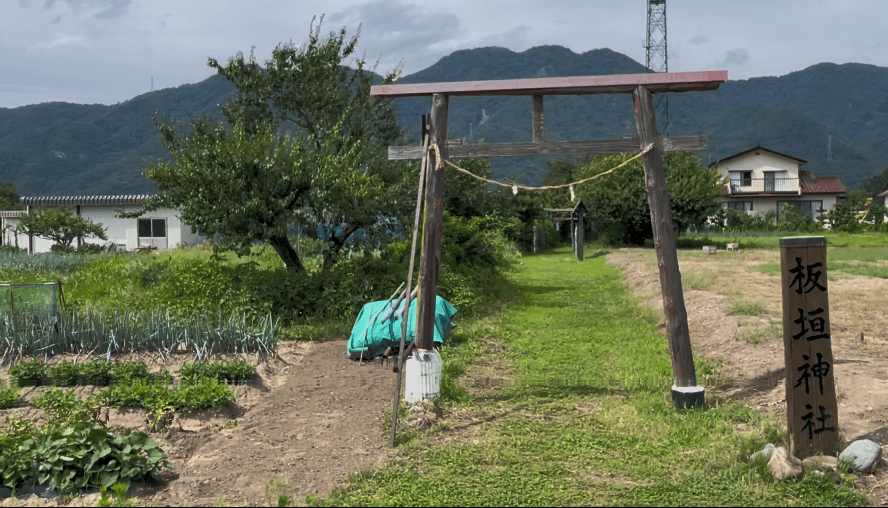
(684, 397)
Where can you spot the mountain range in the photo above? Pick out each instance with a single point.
(833, 116)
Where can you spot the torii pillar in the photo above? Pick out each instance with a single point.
(685, 391)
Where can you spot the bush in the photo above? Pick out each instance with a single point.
(60, 248)
(89, 248)
(29, 373)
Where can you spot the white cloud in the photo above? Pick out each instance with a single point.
(61, 40)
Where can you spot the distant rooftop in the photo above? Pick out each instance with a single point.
(119, 199)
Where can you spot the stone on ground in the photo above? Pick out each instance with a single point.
(865, 452)
(784, 465)
(825, 463)
(765, 452)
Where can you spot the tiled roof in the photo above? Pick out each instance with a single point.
(129, 199)
(823, 185)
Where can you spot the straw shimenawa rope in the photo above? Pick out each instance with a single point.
(439, 164)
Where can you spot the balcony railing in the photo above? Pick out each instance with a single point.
(744, 185)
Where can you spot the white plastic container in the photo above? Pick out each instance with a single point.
(422, 373)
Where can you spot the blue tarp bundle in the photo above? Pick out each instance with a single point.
(369, 340)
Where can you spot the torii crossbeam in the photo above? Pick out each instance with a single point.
(685, 391)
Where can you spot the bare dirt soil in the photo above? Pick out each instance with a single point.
(312, 418)
(750, 347)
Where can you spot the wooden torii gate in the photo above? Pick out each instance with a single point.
(685, 391)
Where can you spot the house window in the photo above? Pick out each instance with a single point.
(741, 178)
(810, 209)
(746, 206)
(152, 228)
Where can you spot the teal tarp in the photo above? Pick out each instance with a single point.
(372, 339)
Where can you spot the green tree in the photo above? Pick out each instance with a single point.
(9, 197)
(876, 183)
(60, 225)
(620, 198)
(302, 142)
(843, 217)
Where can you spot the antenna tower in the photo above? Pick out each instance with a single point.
(656, 55)
(829, 148)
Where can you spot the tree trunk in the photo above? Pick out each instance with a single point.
(338, 242)
(287, 253)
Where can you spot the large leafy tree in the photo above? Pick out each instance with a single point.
(621, 199)
(59, 225)
(302, 142)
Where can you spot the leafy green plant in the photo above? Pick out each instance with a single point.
(239, 371)
(162, 376)
(57, 400)
(97, 372)
(28, 373)
(86, 455)
(126, 371)
(65, 374)
(158, 398)
(137, 392)
(278, 491)
(9, 396)
(62, 408)
(119, 490)
(191, 372)
(15, 464)
(235, 371)
(205, 393)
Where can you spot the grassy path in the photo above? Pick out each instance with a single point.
(585, 416)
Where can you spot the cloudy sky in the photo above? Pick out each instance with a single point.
(108, 51)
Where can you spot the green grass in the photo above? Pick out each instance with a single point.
(771, 239)
(757, 335)
(745, 307)
(586, 417)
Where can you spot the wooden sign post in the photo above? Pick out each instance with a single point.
(811, 409)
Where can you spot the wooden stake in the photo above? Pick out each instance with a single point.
(685, 392)
(433, 227)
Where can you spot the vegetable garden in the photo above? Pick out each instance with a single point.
(67, 450)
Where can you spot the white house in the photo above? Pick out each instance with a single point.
(761, 180)
(162, 228)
